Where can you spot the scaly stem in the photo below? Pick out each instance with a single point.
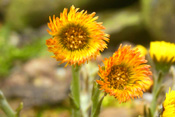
(75, 91)
(172, 71)
(156, 91)
(6, 107)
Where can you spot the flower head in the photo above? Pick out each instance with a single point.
(142, 49)
(125, 74)
(169, 104)
(77, 37)
(163, 52)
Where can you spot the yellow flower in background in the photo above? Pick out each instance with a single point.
(161, 51)
(169, 104)
(142, 49)
(125, 74)
(150, 84)
(77, 37)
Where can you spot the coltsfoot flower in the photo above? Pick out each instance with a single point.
(162, 52)
(169, 104)
(142, 49)
(77, 37)
(125, 74)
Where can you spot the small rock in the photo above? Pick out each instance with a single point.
(38, 82)
(40, 66)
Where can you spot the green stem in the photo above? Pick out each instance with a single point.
(156, 91)
(153, 105)
(75, 91)
(6, 107)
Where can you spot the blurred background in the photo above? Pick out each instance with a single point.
(30, 75)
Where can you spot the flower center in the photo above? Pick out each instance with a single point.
(118, 77)
(74, 37)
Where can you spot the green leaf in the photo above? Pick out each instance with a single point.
(97, 109)
(96, 103)
(18, 110)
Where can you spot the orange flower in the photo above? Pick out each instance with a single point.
(77, 37)
(125, 74)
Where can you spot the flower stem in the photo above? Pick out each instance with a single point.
(156, 90)
(6, 107)
(75, 91)
(172, 71)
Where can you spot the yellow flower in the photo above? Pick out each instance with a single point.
(169, 104)
(150, 84)
(142, 50)
(125, 74)
(77, 37)
(161, 51)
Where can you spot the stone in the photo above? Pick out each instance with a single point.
(37, 83)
